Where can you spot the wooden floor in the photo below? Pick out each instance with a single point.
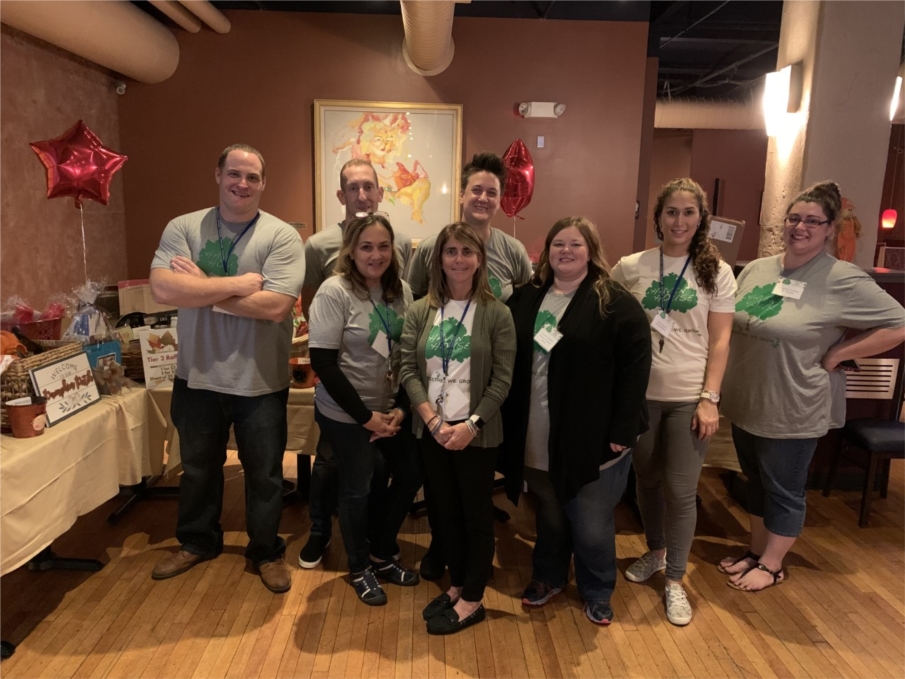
(841, 613)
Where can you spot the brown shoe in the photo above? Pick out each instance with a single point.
(176, 563)
(275, 575)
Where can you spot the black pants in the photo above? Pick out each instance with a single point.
(203, 419)
(462, 485)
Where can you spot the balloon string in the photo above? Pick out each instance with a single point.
(84, 245)
(513, 227)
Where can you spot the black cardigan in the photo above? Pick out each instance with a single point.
(596, 385)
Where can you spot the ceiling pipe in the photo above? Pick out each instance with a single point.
(209, 14)
(697, 114)
(116, 35)
(179, 14)
(428, 46)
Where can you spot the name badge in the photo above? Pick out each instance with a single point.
(380, 344)
(548, 338)
(455, 399)
(662, 324)
(786, 287)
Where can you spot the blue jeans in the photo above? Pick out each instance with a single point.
(777, 470)
(324, 491)
(203, 419)
(371, 512)
(583, 525)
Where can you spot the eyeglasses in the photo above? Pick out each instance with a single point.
(810, 222)
(362, 215)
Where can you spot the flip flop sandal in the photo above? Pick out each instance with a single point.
(776, 578)
(747, 555)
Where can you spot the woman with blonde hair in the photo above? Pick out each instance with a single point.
(575, 410)
(458, 345)
(688, 293)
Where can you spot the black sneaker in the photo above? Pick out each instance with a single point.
(538, 593)
(313, 551)
(392, 571)
(432, 565)
(599, 612)
(367, 588)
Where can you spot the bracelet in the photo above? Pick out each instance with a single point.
(428, 423)
(437, 428)
(472, 429)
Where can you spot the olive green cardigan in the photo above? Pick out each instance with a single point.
(492, 358)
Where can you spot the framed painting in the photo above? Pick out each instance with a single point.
(416, 150)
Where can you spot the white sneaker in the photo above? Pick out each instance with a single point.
(678, 609)
(645, 567)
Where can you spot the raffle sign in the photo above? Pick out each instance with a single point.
(159, 349)
(68, 385)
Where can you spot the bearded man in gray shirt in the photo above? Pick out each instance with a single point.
(234, 272)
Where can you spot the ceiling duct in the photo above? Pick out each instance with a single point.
(703, 114)
(209, 14)
(179, 14)
(116, 35)
(428, 45)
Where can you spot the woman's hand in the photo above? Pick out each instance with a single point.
(706, 419)
(381, 426)
(616, 448)
(398, 416)
(456, 437)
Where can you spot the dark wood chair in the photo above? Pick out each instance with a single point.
(883, 439)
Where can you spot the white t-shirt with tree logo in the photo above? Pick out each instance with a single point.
(454, 336)
(677, 373)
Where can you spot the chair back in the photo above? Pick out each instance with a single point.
(878, 379)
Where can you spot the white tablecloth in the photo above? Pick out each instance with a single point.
(47, 482)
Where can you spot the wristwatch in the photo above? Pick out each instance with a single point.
(477, 422)
(712, 396)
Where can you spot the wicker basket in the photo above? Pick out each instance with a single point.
(16, 381)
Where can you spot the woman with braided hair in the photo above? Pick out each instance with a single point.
(688, 293)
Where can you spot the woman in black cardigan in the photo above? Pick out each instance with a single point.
(575, 409)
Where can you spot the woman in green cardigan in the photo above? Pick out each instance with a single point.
(458, 347)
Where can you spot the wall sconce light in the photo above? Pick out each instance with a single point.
(888, 221)
(540, 109)
(782, 95)
(896, 93)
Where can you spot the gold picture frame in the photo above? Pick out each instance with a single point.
(415, 148)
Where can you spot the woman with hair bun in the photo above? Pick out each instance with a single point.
(784, 389)
(688, 293)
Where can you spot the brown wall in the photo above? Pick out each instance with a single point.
(257, 85)
(44, 91)
(893, 189)
(738, 158)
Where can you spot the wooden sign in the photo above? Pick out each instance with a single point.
(159, 350)
(68, 385)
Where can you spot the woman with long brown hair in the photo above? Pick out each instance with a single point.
(574, 412)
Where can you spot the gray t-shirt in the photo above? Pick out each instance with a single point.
(339, 319)
(507, 265)
(537, 443)
(775, 385)
(322, 251)
(222, 352)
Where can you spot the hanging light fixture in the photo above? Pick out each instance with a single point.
(890, 215)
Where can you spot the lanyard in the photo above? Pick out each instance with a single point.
(232, 246)
(385, 322)
(674, 287)
(445, 355)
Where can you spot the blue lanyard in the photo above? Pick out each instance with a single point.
(232, 246)
(445, 355)
(674, 287)
(385, 322)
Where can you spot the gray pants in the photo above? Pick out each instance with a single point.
(668, 461)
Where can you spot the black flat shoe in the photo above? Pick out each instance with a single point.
(448, 621)
(437, 606)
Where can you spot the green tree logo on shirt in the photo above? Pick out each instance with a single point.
(454, 332)
(496, 287)
(760, 302)
(376, 325)
(210, 259)
(544, 319)
(657, 296)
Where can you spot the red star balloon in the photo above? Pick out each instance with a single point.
(78, 165)
(520, 179)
